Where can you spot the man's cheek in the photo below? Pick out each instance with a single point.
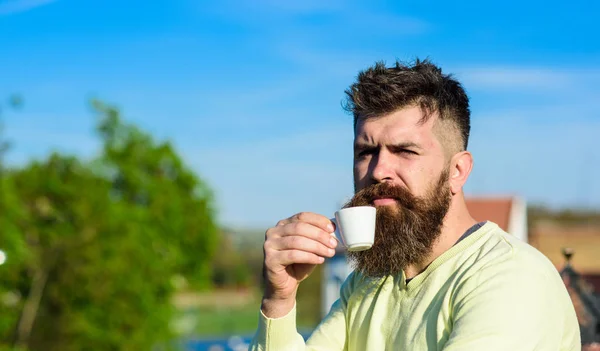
(361, 177)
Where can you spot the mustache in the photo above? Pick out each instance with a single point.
(402, 195)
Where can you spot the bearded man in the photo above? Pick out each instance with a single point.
(435, 279)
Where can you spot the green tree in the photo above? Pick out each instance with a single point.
(230, 269)
(16, 253)
(99, 243)
(150, 176)
(12, 245)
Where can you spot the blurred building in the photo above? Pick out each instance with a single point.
(585, 299)
(510, 213)
(550, 238)
(574, 248)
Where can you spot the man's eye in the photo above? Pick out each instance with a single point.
(407, 151)
(364, 152)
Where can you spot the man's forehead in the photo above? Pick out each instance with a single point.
(406, 123)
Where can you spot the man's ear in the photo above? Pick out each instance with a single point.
(461, 165)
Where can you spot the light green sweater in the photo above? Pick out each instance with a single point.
(490, 292)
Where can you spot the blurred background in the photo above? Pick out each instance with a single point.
(146, 146)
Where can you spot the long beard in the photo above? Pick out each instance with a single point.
(405, 232)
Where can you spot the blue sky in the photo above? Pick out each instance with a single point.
(250, 91)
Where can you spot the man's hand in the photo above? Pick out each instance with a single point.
(292, 250)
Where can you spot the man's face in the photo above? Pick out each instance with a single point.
(400, 168)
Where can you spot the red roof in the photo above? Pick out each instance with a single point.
(496, 210)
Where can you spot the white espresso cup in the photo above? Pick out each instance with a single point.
(356, 227)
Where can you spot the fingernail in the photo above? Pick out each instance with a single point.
(333, 242)
(330, 227)
(331, 251)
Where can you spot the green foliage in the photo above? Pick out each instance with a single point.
(229, 267)
(16, 251)
(92, 247)
(309, 300)
(151, 177)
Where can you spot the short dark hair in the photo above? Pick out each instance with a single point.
(380, 90)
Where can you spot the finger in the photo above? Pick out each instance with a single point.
(310, 231)
(315, 219)
(289, 257)
(304, 244)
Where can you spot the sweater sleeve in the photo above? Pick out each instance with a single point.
(280, 334)
(517, 305)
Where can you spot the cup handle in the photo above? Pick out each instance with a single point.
(336, 232)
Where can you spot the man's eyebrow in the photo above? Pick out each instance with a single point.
(397, 146)
(405, 145)
(363, 145)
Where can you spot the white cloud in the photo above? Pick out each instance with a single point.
(269, 10)
(9, 7)
(346, 22)
(327, 64)
(525, 78)
(560, 111)
(299, 7)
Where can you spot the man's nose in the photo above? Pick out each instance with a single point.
(382, 167)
